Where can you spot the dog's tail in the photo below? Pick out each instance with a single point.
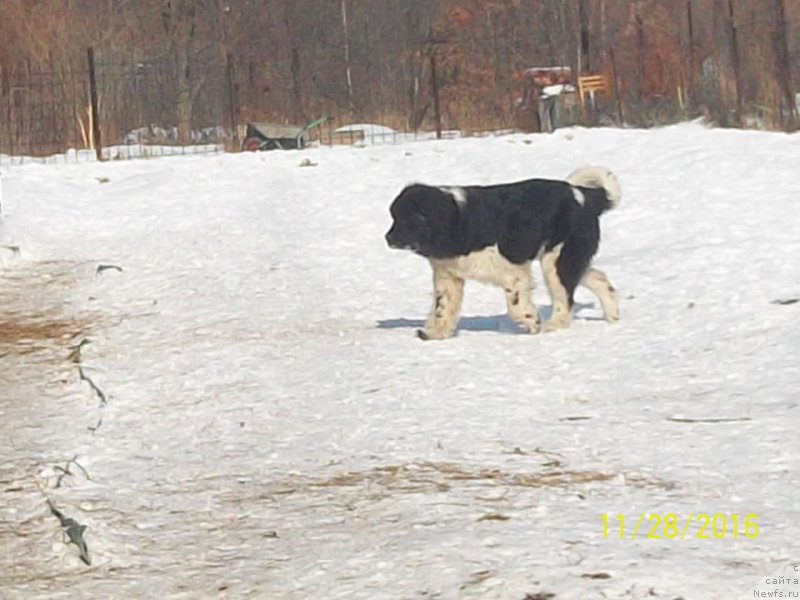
(598, 177)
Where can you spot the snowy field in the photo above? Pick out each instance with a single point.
(256, 418)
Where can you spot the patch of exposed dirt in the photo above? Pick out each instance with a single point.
(35, 308)
(26, 334)
(427, 477)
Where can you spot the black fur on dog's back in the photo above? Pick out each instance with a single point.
(522, 218)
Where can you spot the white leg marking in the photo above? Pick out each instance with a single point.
(521, 309)
(490, 267)
(562, 314)
(448, 291)
(597, 282)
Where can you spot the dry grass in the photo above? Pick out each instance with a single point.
(27, 334)
(442, 476)
(34, 313)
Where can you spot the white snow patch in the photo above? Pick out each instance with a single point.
(274, 429)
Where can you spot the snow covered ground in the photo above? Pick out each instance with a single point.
(270, 426)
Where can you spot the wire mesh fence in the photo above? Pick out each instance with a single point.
(41, 110)
(140, 109)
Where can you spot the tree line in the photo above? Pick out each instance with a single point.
(734, 61)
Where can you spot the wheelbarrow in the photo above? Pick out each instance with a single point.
(273, 136)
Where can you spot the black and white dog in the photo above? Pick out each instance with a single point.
(493, 233)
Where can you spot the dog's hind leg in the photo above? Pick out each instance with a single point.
(560, 296)
(597, 282)
(521, 308)
(448, 291)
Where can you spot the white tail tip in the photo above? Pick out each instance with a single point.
(598, 177)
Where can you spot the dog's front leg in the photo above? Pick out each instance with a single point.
(448, 291)
(521, 308)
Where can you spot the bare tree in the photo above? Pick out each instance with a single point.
(180, 20)
(175, 52)
(347, 66)
(584, 56)
(787, 107)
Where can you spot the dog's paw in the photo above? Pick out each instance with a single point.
(427, 335)
(530, 327)
(526, 323)
(555, 324)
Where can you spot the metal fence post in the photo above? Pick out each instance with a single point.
(437, 113)
(98, 145)
(233, 103)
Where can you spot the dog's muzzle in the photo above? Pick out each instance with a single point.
(398, 246)
(391, 242)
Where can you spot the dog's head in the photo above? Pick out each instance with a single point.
(425, 221)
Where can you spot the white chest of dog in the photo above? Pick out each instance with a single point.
(486, 265)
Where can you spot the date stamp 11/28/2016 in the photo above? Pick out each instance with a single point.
(670, 526)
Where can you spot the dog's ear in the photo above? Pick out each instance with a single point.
(407, 201)
(443, 220)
